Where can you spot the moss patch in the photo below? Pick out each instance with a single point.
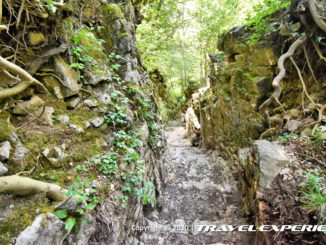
(6, 129)
(19, 214)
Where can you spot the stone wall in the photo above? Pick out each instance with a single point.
(74, 124)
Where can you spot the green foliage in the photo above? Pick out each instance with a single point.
(286, 136)
(87, 193)
(311, 193)
(123, 199)
(48, 4)
(155, 134)
(116, 117)
(146, 193)
(107, 163)
(70, 222)
(85, 190)
(86, 48)
(258, 20)
(61, 214)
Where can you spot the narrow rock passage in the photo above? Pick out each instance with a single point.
(198, 189)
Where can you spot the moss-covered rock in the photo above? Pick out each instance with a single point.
(110, 13)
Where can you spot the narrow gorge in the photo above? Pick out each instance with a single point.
(162, 122)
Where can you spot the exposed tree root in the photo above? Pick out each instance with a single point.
(43, 58)
(276, 82)
(303, 84)
(318, 51)
(320, 118)
(26, 78)
(314, 12)
(24, 186)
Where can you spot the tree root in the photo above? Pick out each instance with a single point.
(276, 82)
(43, 58)
(26, 78)
(24, 186)
(302, 81)
(318, 51)
(314, 12)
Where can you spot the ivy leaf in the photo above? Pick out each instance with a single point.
(70, 222)
(61, 214)
(76, 39)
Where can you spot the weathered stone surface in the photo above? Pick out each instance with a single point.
(36, 38)
(97, 122)
(73, 102)
(46, 229)
(270, 158)
(64, 118)
(90, 103)
(46, 117)
(293, 125)
(68, 76)
(5, 148)
(27, 107)
(54, 86)
(55, 154)
(3, 169)
(20, 155)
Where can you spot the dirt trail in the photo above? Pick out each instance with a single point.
(198, 189)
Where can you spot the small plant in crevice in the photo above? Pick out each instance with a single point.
(107, 164)
(82, 53)
(116, 117)
(114, 66)
(122, 199)
(155, 134)
(87, 194)
(147, 193)
(124, 141)
(286, 136)
(313, 193)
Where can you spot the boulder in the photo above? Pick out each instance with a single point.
(20, 155)
(270, 158)
(46, 229)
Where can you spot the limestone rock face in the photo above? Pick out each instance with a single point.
(239, 84)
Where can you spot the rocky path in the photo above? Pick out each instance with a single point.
(198, 189)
